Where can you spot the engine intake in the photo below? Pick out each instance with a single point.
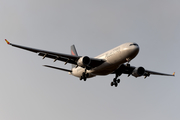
(138, 71)
(84, 61)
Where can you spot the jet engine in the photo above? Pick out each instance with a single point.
(138, 71)
(84, 61)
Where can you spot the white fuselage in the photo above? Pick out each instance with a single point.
(113, 59)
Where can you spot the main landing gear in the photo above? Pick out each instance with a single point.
(115, 81)
(118, 73)
(84, 76)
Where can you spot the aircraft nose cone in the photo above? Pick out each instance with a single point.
(134, 50)
(130, 50)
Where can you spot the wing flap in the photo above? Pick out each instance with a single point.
(55, 57)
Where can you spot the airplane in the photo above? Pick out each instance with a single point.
(115, 61)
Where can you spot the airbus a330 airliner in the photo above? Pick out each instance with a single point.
(115, 61)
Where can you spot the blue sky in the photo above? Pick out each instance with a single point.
(30, 91)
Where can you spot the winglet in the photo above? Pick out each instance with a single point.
(7, 41)
(174, 74)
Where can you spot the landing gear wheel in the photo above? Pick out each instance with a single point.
(112, 83)
(116, 84)
(87, 75)
(83, 76)
(118, 81)
(114, 80)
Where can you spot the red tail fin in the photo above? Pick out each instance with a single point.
(73, 52)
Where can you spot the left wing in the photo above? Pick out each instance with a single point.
(138, 71)
(59, 56)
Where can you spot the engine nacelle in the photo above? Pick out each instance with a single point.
(138, 71)
(84, 61)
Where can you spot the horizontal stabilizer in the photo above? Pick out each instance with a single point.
(57, 68)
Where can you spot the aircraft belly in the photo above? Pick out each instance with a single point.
(113, 62)
(105, 69)
(78, 72)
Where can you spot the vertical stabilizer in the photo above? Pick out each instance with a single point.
(73, 52)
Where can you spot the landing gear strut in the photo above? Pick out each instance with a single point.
(128, 60)
(128, 65)
(115, 81)
(84, 75)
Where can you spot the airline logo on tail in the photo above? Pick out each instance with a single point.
(72, 53)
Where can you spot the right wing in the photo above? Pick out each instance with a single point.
(158, 73)
(59, 56)
(131, 70)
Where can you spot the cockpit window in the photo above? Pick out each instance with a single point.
(133, 44)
